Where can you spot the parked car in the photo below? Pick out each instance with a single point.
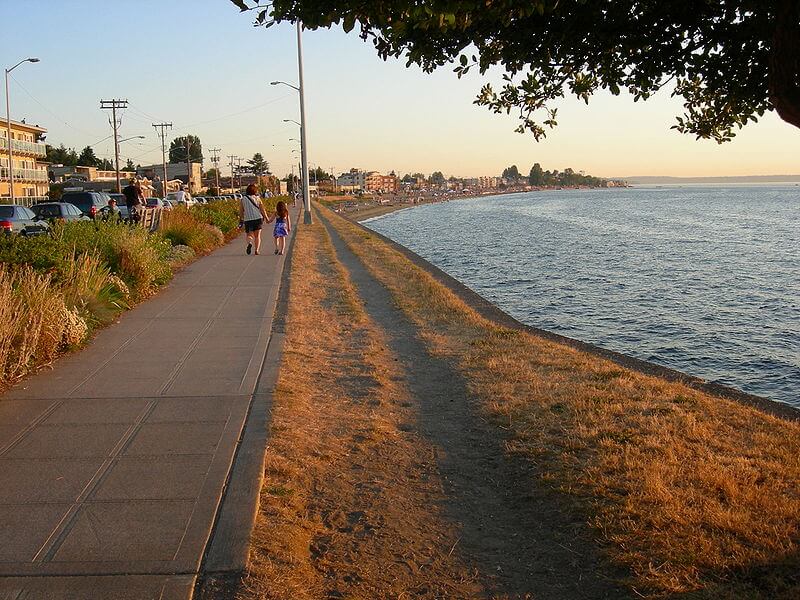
(58, 211)
(155, 203)
(180, 198)
(19, 220)
(167, 205)
(90, 203)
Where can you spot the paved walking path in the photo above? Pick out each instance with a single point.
(113, 464)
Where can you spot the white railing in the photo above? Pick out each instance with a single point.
(24, 147)
(25, 174)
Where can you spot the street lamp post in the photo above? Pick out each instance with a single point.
(303, 141)
(8, 125)
(299, 170)
(133, 137)
(189, 163)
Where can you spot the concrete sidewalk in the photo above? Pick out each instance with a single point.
(113, 464)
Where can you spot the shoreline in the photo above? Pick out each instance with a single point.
(491, 311)
(379, 210)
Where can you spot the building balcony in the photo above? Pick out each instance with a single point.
(20, 147)
(25, 175)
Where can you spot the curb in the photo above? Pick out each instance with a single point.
(493, 313)
(227, 552)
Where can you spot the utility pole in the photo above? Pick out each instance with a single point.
(114, 105)
(239, 170)
(163, 135)
(232, 157)
(215, 160)
(188, 164)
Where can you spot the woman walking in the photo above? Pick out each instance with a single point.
(252, 215)
(283, 226)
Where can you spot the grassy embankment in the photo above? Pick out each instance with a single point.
(56, 290)
(348, 508)
(690, 492)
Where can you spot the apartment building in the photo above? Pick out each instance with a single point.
(390, 183)
(376, 182)
(352, 181)
(29, 170)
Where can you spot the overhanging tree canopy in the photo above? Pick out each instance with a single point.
(730, 60)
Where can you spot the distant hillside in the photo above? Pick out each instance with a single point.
(651, 179)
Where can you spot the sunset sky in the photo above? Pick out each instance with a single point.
(201, 65)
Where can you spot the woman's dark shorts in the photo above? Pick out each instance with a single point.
(253, 225)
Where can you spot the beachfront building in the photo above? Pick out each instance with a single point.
(354, 180)
(376, 182)
(30, 171)
(175, 171)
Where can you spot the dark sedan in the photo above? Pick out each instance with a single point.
(90, 203)
(58, 211)
(19, 220)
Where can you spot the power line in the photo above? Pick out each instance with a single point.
(235, 114)
(60, 119)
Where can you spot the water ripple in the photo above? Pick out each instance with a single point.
(701, 279)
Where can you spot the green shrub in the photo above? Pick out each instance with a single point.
(137, 256)
(41, 252)
(223, 214)
(90, 288)
(180, 226)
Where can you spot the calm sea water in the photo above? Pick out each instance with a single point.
(701, 279)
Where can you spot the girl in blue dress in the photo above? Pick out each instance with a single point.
(283, 226)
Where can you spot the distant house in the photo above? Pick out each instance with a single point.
(175, 171)
(354, 180)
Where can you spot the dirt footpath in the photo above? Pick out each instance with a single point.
(382, 480)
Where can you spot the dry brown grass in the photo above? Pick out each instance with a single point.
(344, 510)
(693, 493)
(33, 321)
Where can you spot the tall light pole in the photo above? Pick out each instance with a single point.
(8, 125)
(189, 163)
(299, 166)
(303, 140)
(133, 137)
